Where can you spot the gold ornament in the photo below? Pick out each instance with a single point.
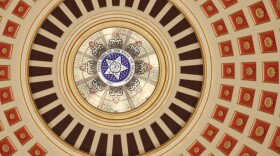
(22, 135)
(5, 148)
(247, 97)
(210, 133)
(259, 131)
(268, 42)
(196, 150)
(246, 154)
(239, 122)
(228, 70)
(239, 20)
(259, 12)
(12, 116)
(227, 144)
(226, 48)
(246, 45)
(2, 73)
(220, 113)
(277, 141)
(37, 152)
(271, 72)
(209, 8)
(249, 71)
(268, 102)
(278, 5)
(4, 50)
(5, 95)
(226, 92)
(10, 29)
(220, 27)
(20, 9)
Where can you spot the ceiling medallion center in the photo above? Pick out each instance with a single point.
(118, 69)
(115, 67)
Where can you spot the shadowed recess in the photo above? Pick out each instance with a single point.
(53, 113)
(62, 125)
(61, 16)
(73, 7)
(88, 5)
(170, 123)
(45, 100)
(87, 142)
(160, 134)
(131, 144)
(146, 140)
(187, 99)
(102, 145)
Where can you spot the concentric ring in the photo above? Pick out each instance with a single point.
(78, 118)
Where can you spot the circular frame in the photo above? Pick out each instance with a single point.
(124, 117)
(179, 136)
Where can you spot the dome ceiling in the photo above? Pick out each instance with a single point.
(139, 77)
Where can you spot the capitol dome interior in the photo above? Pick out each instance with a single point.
(139, 77)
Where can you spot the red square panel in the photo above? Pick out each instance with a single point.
(228, 3)
(220, 113)
(37, 150)
(209, 8)
(271, 72)
(196, 149)
(5, 50)
(4, 73)
(238, 20)
(4, 3)
(227, 144)
(226, 92)
(12, 116)
(6, 95)
(268, 42)
(226, 48)
(210, 132)
(239, 121)
(259, 13)
(246, 97)
(268, 102)
(276, 7)
(7, 148)
(275, 142)
(23, 135)
(246, 45)
(245, 150)
(220, 27)
(11, 29)
(259, 130)
(21, 9)
(228, 70)
(249, 71)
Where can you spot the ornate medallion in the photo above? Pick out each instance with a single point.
(117, 66)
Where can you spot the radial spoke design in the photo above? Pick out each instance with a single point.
(87, 55)
(103, 98)
(146, 79)
(131, 105)
(145, 55)
(86, 80)
(129, 33)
